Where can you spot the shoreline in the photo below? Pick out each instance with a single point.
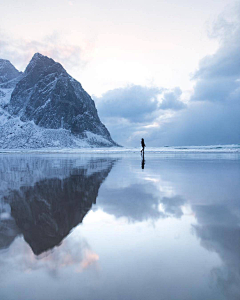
(227, 149)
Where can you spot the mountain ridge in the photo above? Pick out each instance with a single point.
(46, 98)
(7, 71)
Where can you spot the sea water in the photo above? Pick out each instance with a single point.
(115, 225)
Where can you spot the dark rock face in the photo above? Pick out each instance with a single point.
(49, 96)
(7, 71)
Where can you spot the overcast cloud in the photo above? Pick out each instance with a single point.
(212, 116)
(132, 112)
(134, 103)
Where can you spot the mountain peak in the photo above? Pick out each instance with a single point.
(37, 55)
(7, 71)
(52, 99)
(40, 57)
(40, 62)
(4, 61)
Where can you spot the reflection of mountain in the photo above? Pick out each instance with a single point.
(47, 211)
(8, 232)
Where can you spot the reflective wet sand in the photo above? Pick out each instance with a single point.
(103, 227)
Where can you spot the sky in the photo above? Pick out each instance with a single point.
(168, 71)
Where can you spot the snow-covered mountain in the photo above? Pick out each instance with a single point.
(46, 107)
(7, 71)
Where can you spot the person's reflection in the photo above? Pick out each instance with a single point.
(143, 161)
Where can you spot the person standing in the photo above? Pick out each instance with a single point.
(143, 146)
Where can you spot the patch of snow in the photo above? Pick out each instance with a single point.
(5, 96)
(46, 103)
(15, 134)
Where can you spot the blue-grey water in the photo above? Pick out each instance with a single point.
(111, 226)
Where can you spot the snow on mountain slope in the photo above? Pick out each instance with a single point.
(5, 96)
(46, 107)
(7, 71)
(17, 134)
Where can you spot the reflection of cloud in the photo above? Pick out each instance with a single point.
(140, 202)
(8, 232)
(173, 205)
(89, 259)
(215, 214)
(134, 202)
(8, 228)
(75, 254)
(219, 231)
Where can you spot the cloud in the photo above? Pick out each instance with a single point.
(218, 75)
(212, 115)
(156, 113)
(135, 103)
(20, 51)
(213, 112)
(131, 112)
(171, 100)
(200, 124)
(138, 103)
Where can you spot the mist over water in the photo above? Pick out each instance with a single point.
(103, 227)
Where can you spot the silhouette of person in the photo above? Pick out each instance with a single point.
(143, 146)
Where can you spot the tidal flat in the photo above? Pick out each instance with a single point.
(117, 227)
